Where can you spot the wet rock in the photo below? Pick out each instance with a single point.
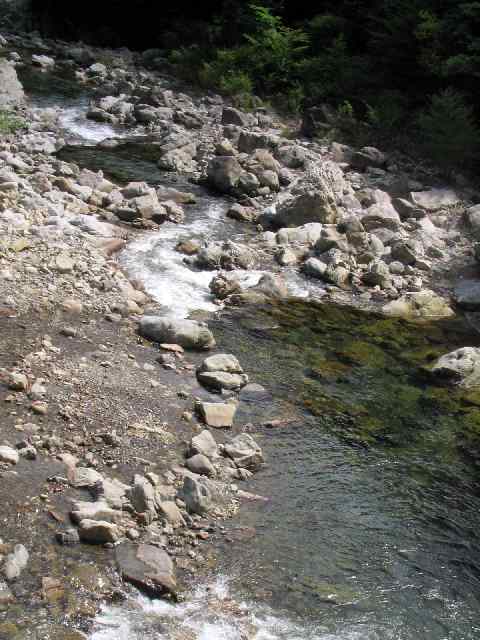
(11, 90)
(242, 214)
(221, 362)
(218, 380)
(245, 452)
(16, 562)
(421, 304)
(201, 465)
(98, 531)
(9, 455)
(226, 255)
(147, 567)
(292, 156)
(219, 415)
(460, 367)
(204, 443)
(187, 333)
(224, 285)
(271, 286)
(307, 234)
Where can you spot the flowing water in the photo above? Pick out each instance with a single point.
(372, 525)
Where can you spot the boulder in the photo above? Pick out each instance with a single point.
(85, 478)
(244, 451)
(225, 255)
(221, 362)
(312, 205)
(237, 118)
(434, 199)
(148, 568)
(197, 495)
(201, 465)
(98, 531)
(315, 268)
(368, 157)
(307, 234)
(461, 367)
(270, 286)
(189, 334)
(224, 173)
(215, 414)
(204, 443)
(378, 274)
(142, 495)
(423, 304)
(11, 90)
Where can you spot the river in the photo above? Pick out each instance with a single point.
(371, 527)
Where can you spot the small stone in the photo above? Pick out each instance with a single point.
(18, 382)
(98, 531)
(9, 455)
(41, 408)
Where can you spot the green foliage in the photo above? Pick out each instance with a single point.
(375, 65)
(448, 132)
(9, 122)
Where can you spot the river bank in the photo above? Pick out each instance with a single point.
(83, 391)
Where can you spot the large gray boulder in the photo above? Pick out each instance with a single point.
(461, 367)
(11, 90)
(187, 333)
(147, 567)
(224, 173)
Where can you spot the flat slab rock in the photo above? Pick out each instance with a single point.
(435, 199)
(147, 567)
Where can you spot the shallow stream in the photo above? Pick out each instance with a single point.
(371, 528)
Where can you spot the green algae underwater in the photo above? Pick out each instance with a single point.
(363, 375)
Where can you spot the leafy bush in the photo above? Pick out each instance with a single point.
(448, 132)
(9, 122)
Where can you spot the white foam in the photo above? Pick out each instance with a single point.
(74, 121)
(209, 613)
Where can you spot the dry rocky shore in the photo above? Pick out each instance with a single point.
(119, 450)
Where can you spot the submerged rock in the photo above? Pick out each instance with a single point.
(245, 452)
(419, 305)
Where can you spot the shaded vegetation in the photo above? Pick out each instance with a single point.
(394, 72)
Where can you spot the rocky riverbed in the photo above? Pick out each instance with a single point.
(124, 443)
